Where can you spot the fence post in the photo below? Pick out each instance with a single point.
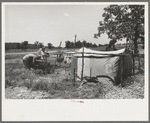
(55, 65)
(122, 74)
(123, 68)
(90, 73)
(133, 65)
(74, 76)
(82, 64)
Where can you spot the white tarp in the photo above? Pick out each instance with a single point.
(98, 63)
(89, 52)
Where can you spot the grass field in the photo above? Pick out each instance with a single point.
(32, 50)
(21, 83)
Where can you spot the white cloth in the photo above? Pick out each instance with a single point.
(29, 56)
(40, 52)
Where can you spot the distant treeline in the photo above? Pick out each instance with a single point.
(68, 44)
(18, 46)
(80, 44)
(25, 45)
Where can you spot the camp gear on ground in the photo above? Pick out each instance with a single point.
(60, 58)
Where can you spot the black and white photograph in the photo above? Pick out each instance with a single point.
(73, 53)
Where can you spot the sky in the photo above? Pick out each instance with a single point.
(53, 23)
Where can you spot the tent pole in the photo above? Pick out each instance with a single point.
(55, 65)
(122, 74)
(133, 65)
(82, 64)
(74, 76)
(90, 73)
(75, 42)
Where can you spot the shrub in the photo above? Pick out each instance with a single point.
(28, 83)
(7, 82)
(40, 85)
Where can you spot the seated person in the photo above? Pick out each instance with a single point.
(41, 52)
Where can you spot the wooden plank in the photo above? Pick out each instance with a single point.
(90, 73)
(74, 77)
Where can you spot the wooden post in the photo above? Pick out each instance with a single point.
(65, 69)
(90, 73)
(74, 76)
(82, 64)
(75, 41)
(123, 67)
(55, 65)
(122, 71)
(133, 65)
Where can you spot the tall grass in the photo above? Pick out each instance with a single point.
(57, 85)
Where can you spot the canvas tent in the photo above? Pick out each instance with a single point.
(109, 64)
